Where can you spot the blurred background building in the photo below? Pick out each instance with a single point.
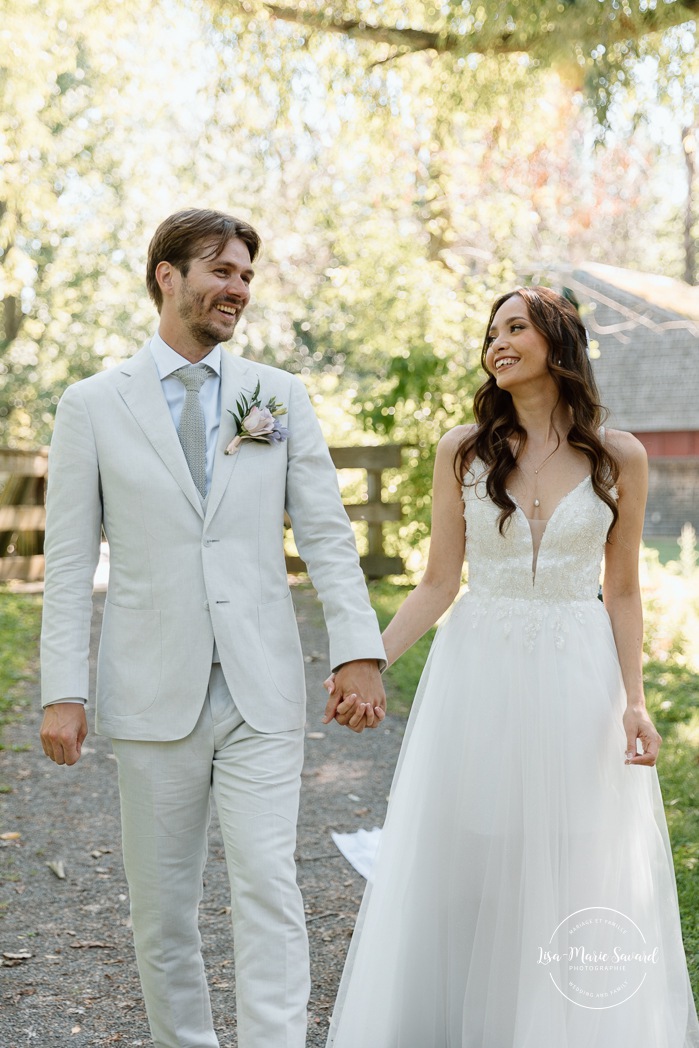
(644, 339)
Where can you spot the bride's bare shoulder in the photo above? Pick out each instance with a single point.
(627, 449)
(454, 438)
(449, 456)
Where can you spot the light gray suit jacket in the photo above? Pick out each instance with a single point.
(182, 576)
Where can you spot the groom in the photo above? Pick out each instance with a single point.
(200, 680)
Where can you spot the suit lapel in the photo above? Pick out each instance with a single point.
(139, 385)
(236, 376)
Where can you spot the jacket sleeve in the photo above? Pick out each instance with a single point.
(72, 543)
(325, 539)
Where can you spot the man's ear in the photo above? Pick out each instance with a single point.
(166, 276)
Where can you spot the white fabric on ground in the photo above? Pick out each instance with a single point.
(359, 848)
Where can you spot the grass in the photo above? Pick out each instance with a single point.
(668, 548)
(402, 678)
(672, 689)
(672, 693)
(20, 622)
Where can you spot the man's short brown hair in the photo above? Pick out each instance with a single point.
(180, 237)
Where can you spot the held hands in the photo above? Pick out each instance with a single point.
(63, 731)
(638, 725)
(357, 698)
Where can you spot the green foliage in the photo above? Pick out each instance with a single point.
(672, 692)
(590, 43)
(402, 678)
(65, 259)
(20, 623)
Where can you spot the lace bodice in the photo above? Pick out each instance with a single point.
(569, 556)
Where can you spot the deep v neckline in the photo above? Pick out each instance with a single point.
(536, 550)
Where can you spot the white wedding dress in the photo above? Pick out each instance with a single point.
(524, 894)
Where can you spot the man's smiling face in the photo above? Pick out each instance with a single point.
(210, 299)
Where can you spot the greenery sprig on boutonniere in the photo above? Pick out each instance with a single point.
(255, 422)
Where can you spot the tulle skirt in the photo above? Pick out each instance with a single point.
(523, 895)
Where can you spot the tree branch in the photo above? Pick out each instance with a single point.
(609, 31)
(408, 39)
(12, 319)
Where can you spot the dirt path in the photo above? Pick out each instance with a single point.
(79, 986)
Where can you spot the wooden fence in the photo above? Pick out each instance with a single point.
(23, 517)
(22, 513)
(374, 460)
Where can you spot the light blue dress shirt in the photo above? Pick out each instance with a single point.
(167, 361)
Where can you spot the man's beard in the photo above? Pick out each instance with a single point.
(201, 329)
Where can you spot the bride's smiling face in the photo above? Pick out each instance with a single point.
(516, 352)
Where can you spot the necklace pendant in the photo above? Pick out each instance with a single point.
(537, 503)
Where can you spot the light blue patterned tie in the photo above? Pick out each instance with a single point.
(192, 428)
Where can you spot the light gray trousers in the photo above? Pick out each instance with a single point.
(165, 792)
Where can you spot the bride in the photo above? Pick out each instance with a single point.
(524, 895)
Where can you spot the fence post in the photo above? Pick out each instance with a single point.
(374, 491)
(376, 564)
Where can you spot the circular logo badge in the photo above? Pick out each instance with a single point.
(598, 957)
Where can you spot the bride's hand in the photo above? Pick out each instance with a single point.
(349, 711)
(638, 725)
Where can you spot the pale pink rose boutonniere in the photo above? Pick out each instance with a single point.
(254, 422)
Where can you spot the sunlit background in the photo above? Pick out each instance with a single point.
(405, 162)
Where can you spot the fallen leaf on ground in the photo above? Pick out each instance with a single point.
(14, 836)
(58, 868)
(92, 946)
(17, 956)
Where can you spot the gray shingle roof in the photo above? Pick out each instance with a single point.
(645, 355)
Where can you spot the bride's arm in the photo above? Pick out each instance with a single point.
(442, 579)
(622, 593)
(437, 589)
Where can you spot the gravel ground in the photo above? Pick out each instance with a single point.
(68, 968)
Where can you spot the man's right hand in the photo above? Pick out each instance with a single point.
(63, 731)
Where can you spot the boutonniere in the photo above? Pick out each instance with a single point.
(254, 422)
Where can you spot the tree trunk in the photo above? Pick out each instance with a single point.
(689, 143)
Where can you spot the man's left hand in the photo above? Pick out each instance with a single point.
(357, 698)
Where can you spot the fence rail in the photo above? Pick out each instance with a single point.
(23, 516)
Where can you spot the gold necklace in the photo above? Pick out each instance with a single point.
(541, 465)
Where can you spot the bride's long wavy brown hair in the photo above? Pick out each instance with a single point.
(499, 437)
